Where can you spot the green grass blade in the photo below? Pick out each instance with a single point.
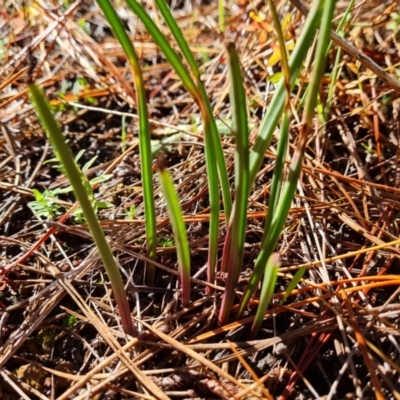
(177, 33)
(289, 188)
(277, 182)
(166, 48)
(83, 193)
(346, 17)
(215, 161)
(283, 140)
(210, 126)
(267, 243)
(275, 108)
(213, 191)
(284, 55)
(320, 60)
(293, 283)
(235, 239)
(213, 137)
(267, 292)
(179, 228)
(144, 134)
(221, 15)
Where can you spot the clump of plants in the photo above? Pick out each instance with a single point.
(233, 206)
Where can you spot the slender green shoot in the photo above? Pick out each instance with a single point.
(293, 283)
(146, 156)
(170, 54)
(283, 141)
(215, 162)
(178, 227)
(274, 112)
(270, 274)
(84, 194)
(210, 125)
(284, 53)
(267, 243)
(267, 292)
(289, 186)
(236, 234)
(338, 58)
(221, 15)
(123, 134)
(277, 179)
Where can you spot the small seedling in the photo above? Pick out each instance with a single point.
(131, 213)
(165, 242)
(70, 321)
(45, 204)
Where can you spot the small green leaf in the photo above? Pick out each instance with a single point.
(293, 283)
(275, 78)
(38, 195)
(100, 179)
(267, 291)
(104, 204)
(67, 189)
(76, 87)
(131, 213)
(79, 155)
(179, 229)
(89, 164)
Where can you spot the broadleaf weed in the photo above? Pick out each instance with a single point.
(47, 204)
